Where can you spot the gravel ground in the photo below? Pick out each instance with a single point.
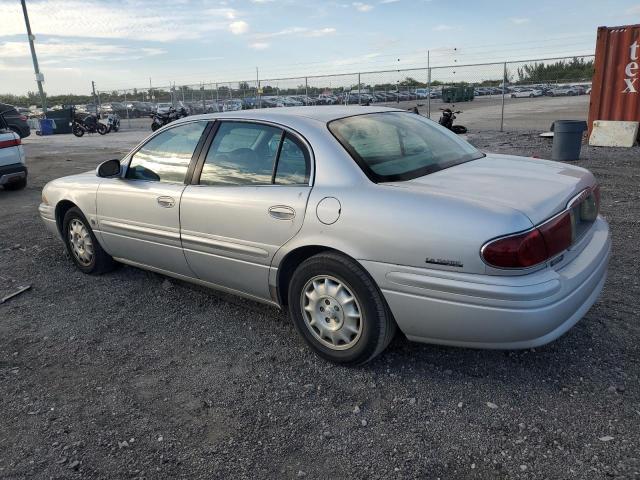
(132, 375)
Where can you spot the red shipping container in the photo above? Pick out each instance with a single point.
(615, 93)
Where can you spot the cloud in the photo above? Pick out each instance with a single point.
(135, 20)
(362, 7)
(382, 2)
(300, 31)
(321, 32)
(635, 10)
(238, 27)
(442, 28)
(259, 45)
(54, 51)
(519, 20)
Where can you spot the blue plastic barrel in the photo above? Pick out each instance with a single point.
(46, 126)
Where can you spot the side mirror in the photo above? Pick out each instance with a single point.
(110, 168)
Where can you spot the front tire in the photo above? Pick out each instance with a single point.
(154, 126)
(338, 309)
(102, 129)
(19, 185)
(82, 244)
(77, 131)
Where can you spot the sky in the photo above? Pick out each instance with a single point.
(130, 43)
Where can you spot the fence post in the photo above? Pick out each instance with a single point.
(217, 98)
(306, 91)
(504, 86)
(359, 94)
(429, 92)
(126, 105)
(204, 105)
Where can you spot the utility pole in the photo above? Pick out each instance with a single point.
(259, 101)
(428, 84)
(39, 76)
(95, 99)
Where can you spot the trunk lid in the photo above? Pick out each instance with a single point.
(537, 188)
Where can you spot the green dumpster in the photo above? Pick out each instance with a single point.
(457, 93)
(62, 119)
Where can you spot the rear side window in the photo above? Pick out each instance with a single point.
(241, 154)
(293, 163)
(244, 153)
(166, 157)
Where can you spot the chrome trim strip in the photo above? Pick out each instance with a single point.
(223, 245)
(127, 227)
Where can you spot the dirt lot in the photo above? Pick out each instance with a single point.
(131, 375)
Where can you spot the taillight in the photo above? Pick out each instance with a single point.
(14, 142)
(547, 240)
(24, 118)
(516, 251)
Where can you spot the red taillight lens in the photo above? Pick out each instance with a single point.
(24, 118)
(518, 251)
(557, 234)
(14, 142)
(545, 241)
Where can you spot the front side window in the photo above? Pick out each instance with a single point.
(166, 157)
(392, 146)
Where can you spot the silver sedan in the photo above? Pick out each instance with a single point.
(360, 220)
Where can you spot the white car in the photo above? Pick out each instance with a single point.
(527, 92)
(13, 169)
(163, 107)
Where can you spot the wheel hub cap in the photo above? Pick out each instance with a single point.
(331, 312)
(80, 242)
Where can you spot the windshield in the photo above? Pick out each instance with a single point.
(392, 146)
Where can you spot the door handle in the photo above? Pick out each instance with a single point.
(282, 212)
(166, 202)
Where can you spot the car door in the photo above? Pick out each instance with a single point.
(139, 213)
(247, 199)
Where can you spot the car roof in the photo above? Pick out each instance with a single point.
(324, 114)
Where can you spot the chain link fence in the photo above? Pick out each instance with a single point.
(523, 95)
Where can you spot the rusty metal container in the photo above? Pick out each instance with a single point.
(615, 92)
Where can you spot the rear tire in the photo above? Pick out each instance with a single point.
(82, 244)
(102, 129)
(339, 310)
(154, 127)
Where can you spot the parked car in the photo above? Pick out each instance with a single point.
(163, 107)
(562, 91)
(13, 169)
(470, 249)
(525, 92)
(15, 120)
(326, 99)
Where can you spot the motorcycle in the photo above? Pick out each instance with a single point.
(88, 124)
(447, 118)
(162, 119)
(113, 122)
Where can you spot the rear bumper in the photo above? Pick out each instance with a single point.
(12, 173)
(498, 312)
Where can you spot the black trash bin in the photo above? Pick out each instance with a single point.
(567, 139)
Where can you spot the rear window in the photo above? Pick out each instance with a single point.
(392, 146)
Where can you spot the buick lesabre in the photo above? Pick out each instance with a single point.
(359, 220)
